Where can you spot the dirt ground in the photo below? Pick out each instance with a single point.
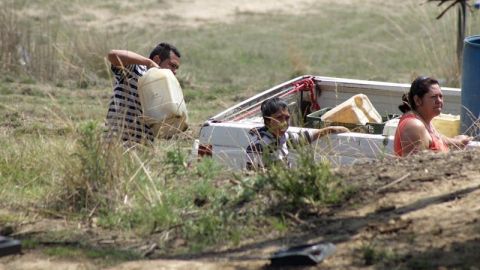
(192, 13)
(417, 213)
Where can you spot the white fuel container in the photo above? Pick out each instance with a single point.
(447, 124)
(162, 101)
(355, 110)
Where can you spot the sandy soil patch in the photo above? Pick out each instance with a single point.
(183, 13)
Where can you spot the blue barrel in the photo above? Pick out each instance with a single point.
(470, 85)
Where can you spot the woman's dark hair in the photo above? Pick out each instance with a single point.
(420, 86)
(271, 106)
(163, 50)
(405, 106)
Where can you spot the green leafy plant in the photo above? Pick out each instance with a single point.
(96, 175)
(310, 183)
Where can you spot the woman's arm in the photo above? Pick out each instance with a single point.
(414, 138)
(457, 142)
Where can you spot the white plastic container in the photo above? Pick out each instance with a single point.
(162, 101)
(355, 110)
(390, 127)
(447, 124)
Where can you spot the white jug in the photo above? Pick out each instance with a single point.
(162, 101)
(447, 124)
(356, 110)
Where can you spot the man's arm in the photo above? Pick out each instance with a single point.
(328, 130)
(121, 58)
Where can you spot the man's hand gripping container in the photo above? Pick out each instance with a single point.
(162, 101)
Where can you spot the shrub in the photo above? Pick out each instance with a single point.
(97, 174)
(310, 183)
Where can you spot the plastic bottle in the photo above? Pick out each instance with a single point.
(356, 110)
(162, 101)
(447, 124)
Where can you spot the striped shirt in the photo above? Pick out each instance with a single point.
(265, 149)
(124, 116)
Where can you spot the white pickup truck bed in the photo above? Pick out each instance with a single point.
(225, 137)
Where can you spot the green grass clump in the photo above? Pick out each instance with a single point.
(309, 184)
(134, 189)
(94, 174)
(373, 255)
(27, 167)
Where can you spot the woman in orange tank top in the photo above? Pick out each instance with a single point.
(415, 131)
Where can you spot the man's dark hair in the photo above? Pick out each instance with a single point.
(271, 106)
(420, 86)
(163, 50)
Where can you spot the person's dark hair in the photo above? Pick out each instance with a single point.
(163, 50)
(271, 106)
(405, 106)
(420, 86)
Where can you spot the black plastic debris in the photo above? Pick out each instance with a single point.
(9, 246)
(310, 254)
